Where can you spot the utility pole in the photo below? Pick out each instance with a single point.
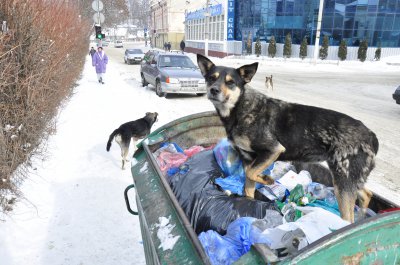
(98, 12)
(318, 33)
(206, 32)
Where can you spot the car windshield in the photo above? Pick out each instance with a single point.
(135, 51)
(176, 61)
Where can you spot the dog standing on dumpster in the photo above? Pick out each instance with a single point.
(264, 129)
(135, 130)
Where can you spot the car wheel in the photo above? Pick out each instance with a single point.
(144, 83)
(158, 90)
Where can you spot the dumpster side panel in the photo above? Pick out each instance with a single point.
(153, 203)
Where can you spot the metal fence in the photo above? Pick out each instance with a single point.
(238, 48)
(332, 51)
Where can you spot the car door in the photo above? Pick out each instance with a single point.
(146, 69)
(154, 69)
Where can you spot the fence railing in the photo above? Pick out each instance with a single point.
(238, 48)
(332, 51)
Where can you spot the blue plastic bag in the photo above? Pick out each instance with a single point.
(229, 161)
(177, 147)
(229, 248)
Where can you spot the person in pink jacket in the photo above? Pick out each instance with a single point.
(99, 61)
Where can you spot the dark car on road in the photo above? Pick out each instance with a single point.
(396, 95)
(171, 73)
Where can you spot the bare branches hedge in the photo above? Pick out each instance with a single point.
(42, 53)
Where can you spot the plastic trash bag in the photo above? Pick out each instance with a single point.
(291, 179)
(229, 161)
(272, 219)
(280, 168)
(168, 157)
(205, 205)
(275, 191)
(240, 236)
(315, 223)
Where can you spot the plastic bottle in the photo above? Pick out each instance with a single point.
(317, 190)
(330, 198)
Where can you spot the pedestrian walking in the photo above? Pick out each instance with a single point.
(169, 46)
(165, 46)
(182, 46)
(92, 51)
(100, 61)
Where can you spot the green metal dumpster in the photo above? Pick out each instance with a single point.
(374, 240)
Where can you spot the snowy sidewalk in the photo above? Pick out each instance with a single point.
(76, 212)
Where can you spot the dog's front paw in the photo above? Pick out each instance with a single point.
(268, 180)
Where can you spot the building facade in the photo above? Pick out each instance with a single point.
(167, 22)
(232, 21)
(377, 21)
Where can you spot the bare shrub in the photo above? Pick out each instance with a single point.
(41, 58)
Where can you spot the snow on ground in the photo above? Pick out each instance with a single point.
(74, 212)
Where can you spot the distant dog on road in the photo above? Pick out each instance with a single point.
(135, 130)
(263, 129)
(268, 83)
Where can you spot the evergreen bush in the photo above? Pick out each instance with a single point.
(272, 47)
(378, 53)
(342, 52)
(303, 48)
(323, 51)
(257, 47)
(249, 44)
(362, 51)
(287, 47)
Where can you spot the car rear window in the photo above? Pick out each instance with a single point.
(135, 51)
(176, 61)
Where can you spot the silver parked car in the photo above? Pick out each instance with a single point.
(133, 56)
(171, 73)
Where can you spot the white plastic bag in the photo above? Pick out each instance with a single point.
(291, 179)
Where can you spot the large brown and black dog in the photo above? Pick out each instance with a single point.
(134, 130)
(264, 129)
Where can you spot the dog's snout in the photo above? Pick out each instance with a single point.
(214, 91)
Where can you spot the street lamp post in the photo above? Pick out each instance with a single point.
(206, 32)
(162, 22)
(318, 33)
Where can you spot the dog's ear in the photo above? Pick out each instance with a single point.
(247, 71)
(204, 64)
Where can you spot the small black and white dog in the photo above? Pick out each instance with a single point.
(264, 129)
(135, 130)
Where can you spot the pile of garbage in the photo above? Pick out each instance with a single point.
(286, 216)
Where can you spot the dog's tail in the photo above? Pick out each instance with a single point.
(115, 132)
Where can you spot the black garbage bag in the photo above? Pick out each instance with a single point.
(206, 206)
